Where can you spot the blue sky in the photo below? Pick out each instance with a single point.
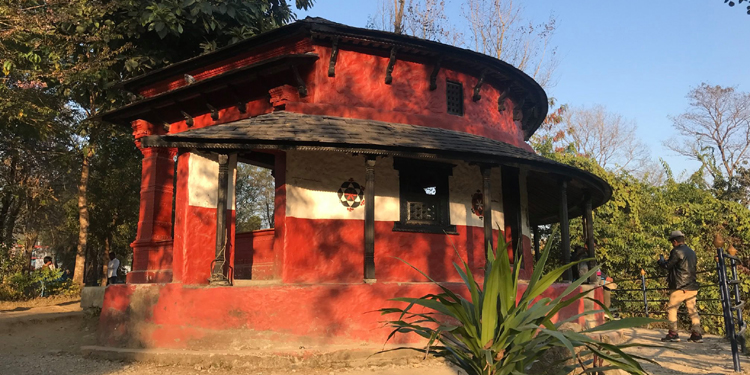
(637, 58)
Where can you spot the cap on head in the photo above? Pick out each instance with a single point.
(676, 234)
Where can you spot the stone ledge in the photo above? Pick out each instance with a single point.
(259, 359)
(342, 357)
(92, 296)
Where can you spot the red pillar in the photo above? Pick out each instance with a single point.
(279, 215)
(152, 248)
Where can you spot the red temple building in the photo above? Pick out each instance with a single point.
(381, 146)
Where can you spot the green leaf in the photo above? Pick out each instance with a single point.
(631, 322)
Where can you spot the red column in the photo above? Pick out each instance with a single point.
(279, 215)
(152, 248)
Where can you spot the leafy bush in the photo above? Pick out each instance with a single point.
(633, 226)
(39, 283)
(10, 263)
(493, 334)
(18, 284)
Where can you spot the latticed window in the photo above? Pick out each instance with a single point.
(423, 212)
(423, 191)
(455, 96)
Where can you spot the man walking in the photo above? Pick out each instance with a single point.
(112, 267)
(682, 267)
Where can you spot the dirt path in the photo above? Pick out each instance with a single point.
(49, 343)
(712, 357)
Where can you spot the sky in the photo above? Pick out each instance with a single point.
(637, 58)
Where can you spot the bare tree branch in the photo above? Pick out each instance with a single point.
(493, 27)
(607, 137)
(717, 125)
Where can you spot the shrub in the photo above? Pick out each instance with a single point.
(492, 334)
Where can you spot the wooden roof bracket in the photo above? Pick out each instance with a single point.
(155, 119)
(389, 69)
(501, 100)
(533, 112)
(334, 57)
(478, 87)
(518, 110)
(434, 74)
(214, 112)
(300, 82)
(188, 119)
(240, 104)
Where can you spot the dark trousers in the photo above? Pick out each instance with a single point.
(112, 280)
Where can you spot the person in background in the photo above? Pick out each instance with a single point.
(681, 278)
(48, 265)
(112, 267)
(579, 252)
(66, 275)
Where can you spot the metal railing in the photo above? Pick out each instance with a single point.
(731, 303)
(646, 300)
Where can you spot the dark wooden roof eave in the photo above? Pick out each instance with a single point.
(293, 131)
(601, 191)
(525, 86)
(291, 31)
(143, 108)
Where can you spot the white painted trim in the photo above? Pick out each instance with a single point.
(313, 180)
(203, 180)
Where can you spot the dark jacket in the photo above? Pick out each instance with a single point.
(682, 267)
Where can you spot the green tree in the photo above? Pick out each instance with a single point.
(731, 3)
(114, 221)
(34, 142)
(78, 48)
(255, 193)
(632, 228)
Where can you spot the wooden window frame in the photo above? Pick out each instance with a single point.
(411, 172)
(460, 104)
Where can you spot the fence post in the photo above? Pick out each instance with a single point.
(738, 302)
(727, 306)
(721, 295)
(643, 288)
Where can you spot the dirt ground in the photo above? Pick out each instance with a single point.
(6, 306)
(712, 357)
(45, 338)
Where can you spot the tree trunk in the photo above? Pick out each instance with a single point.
(10, 227)
(28, 249)
(399, 16)
(83, 217)
(105, 262)
(5, 221)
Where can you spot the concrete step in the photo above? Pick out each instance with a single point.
(260, 359)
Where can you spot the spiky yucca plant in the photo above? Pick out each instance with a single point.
(491, 334)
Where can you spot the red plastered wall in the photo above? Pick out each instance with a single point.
(195, 233)
(254, 258)
(358, 90)
(181, 216)
(333, 251)
(176, 316)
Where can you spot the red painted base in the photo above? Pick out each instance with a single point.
(190, 317)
